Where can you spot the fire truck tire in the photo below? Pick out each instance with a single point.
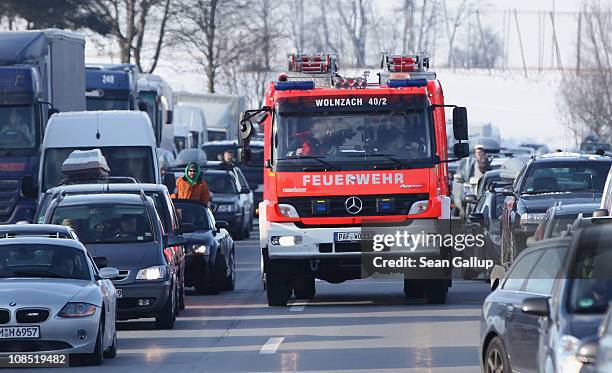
(308, 291)
(277, 289)
(436, 291)
(413, 288)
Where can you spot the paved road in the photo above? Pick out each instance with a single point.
(356, 326)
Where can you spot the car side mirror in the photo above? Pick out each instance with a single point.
(536, 306)
(108, 273)
(142, 106)
(101, 261)
(587, 351)
(476, 217)
(221, 224)
(600, 213)
(245, 191)
(508, 191)
(461, 150)
(27, 186)
(187, 228)
(460, 123)
(470, 199)
(174, 240)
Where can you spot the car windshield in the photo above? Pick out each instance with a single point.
(94, 104)
(191, 213)
(43, 261)
(220, 183)
(134, 161)
(337, 136)
(179, 143)
(561, 223)
(591, 273)
(17, 127)
(548, 177)
(106, 224)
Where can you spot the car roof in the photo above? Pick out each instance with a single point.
(42, 241)
(217, 172)
(86, 199)
(231, 142)
(565, 156)
(114, 187)
(574, 209)
(29, 230)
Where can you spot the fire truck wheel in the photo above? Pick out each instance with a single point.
(413, 288)
(309, 289)
(436, 291)
(277, 289)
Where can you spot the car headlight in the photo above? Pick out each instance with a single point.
(74, 309)
(527, 218)
(418, 207)
(199, 249)
(227, 208)
(288, 210)
(566, 355)
(152, 273)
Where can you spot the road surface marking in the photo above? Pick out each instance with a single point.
(271, 346)
(298, 307)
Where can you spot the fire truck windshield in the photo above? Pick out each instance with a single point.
(17, 127)
(341, 138)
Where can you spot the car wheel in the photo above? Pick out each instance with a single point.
(219, 274)
(111, 353)
(436, 291)
(308, 291)
(413, 288)
(230, 280)
(97, 356)
(277, 289)
(182, 297)
(166, 317)
(496, 358)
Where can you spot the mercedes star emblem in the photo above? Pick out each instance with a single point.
(353, 205)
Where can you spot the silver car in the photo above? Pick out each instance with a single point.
(53, 299)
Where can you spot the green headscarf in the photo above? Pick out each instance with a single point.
(197, 175)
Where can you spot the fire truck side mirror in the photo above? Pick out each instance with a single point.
(460, 123)
(246, 129)
(461, 150)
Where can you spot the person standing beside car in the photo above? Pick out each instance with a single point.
(482, 163)
(192, 185)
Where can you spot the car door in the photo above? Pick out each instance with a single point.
(512, 301)
(219, 235)
(179, 251)
(109, 297)
(530, 328)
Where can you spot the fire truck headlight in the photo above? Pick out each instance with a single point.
(288, 211)
(286, 240)
(418, 207)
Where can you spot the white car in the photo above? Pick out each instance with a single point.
(53, 298)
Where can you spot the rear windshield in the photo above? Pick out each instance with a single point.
(133, 161)
(43, 261)
(549, 177)
(106, 224)
(189, 213)
(220, 183)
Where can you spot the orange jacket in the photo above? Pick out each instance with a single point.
(198, 191)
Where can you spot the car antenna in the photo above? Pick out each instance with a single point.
(592, 187)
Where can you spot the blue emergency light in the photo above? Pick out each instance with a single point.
(304, 85)
(320, 206)
(398, 83)
(385, 204)
(16, 79)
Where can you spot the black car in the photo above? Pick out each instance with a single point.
(210, 256)
(542, 182)
(127, 231)
(230, 202)
(253, 171)
(484, 220)
(559, 218)
(163, 205)
(553, 298)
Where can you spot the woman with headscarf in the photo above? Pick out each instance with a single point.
(191, 185)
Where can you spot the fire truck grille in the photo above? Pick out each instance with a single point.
(337, 205)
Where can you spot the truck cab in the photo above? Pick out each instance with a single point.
(41, 72)
(341, 153)
(110, 87)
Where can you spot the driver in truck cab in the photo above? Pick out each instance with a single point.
(304, 143)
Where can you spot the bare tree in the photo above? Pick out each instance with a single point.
(585, 103)
(460, 16)
(355, 17)
(132, 23)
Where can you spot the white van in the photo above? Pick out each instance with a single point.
(196, 124)
(126, 139)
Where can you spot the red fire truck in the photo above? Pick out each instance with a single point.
(343, 152)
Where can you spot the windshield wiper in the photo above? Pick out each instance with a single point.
(319, 159)
(43, 274)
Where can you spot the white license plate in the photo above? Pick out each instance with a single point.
(16, 332)
(347, 236)
(119, 293)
